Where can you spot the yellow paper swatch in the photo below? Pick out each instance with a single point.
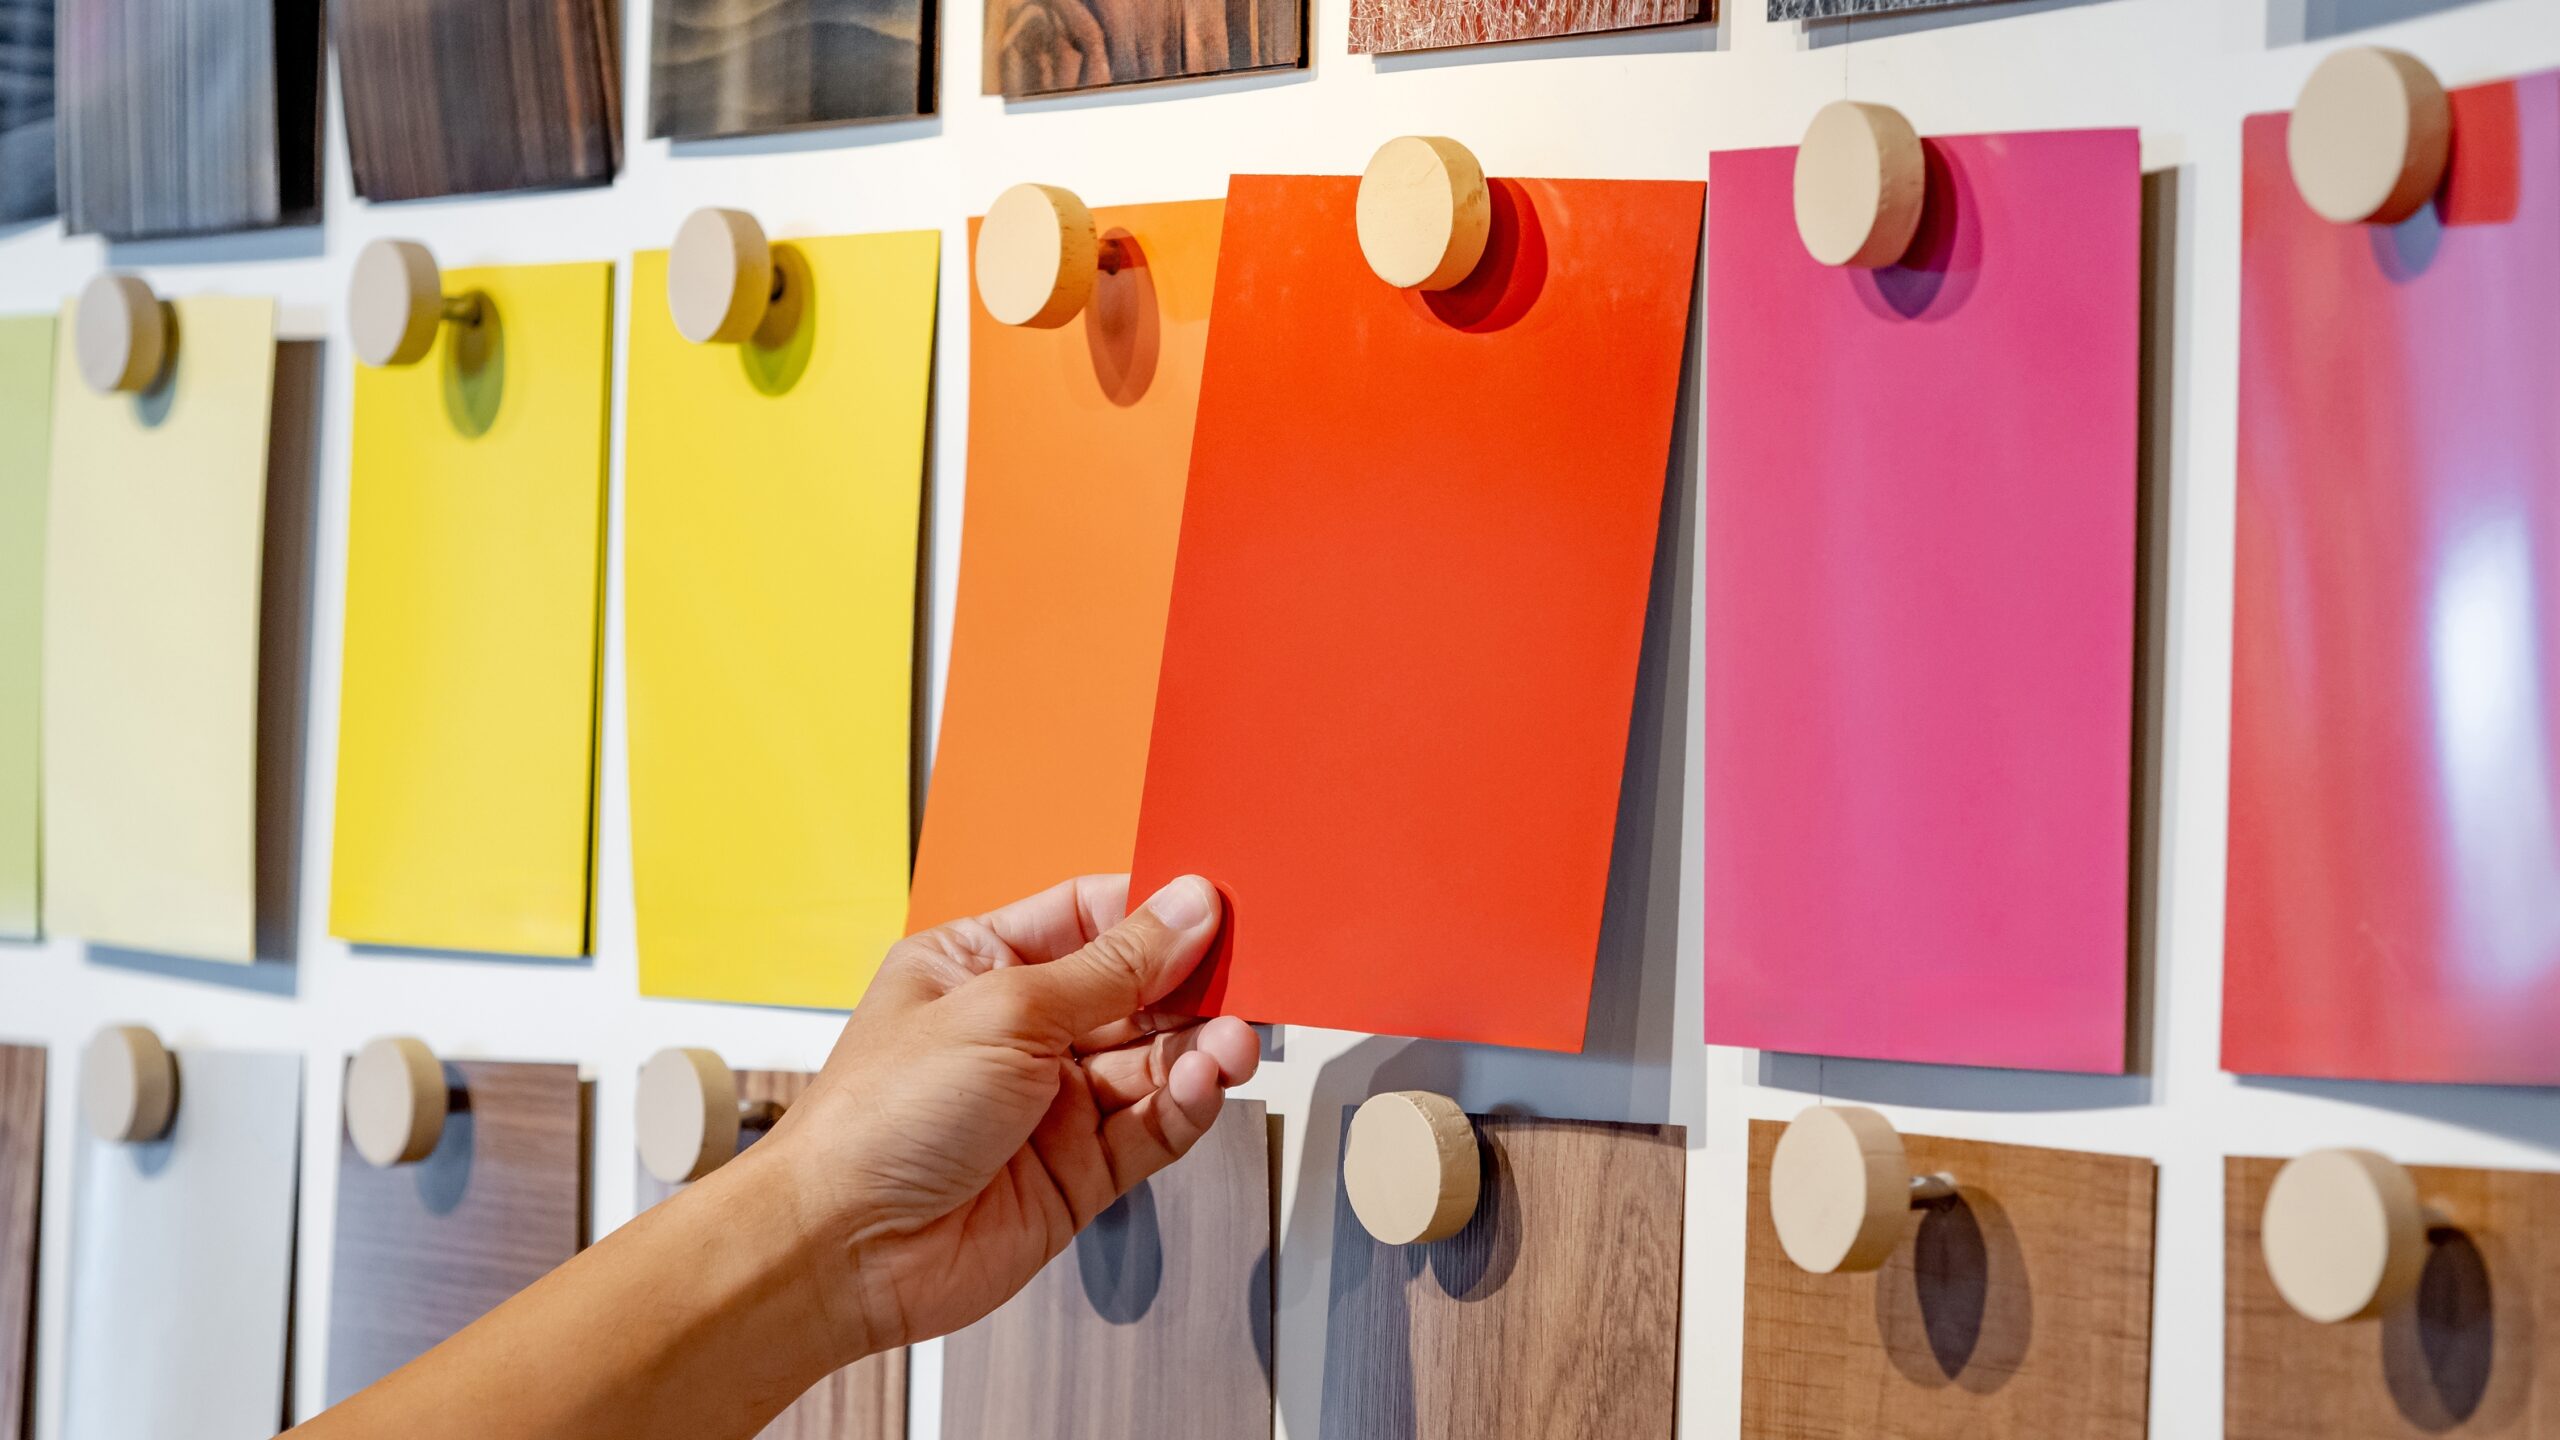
(772, 532)
(155, 540)
(467, 709)
(26, 419)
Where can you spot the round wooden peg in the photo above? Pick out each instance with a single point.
(1411, 1167)
(1038, 255)
(720, 277)
(1861, 180)
(120, 334)
(2370, 136)
(395, 301)
(128, 1084)
(1424, 212)
(688, 1114)
(2344, 1234)
(396, 1101)
(1841, 1189)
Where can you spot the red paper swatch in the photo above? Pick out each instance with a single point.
(1407, 605)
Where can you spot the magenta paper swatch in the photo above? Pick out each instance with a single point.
(1920, 527)
(2394, 904)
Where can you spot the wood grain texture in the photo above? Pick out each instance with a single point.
(425, 1249)
(1155, 1324)
(2021, 1311)
(746, 67)
(1555, 1313)
(188, 117)
(1049, 47)
(1843, 9)
(26, 110)
(21, 1187)
(461, 97)
(866, 1400)
(1389, 27)
(2471, 1356)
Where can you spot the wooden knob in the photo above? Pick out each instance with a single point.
(719, 277)
(2370, 136)
(395, 300)
(1411, 1167)
(1841, 1189)
(121, 334)
(1861, 178)
(396, 1100)
(2344, 1235)
(128, 1084)
(1038, 251)
(688, 1114)
(1424, 212)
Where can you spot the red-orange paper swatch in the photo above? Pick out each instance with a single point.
(1407, 607)
(1079, 438)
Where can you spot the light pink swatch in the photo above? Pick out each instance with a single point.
(1920, 531)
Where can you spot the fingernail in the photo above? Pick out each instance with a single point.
(1183, 903)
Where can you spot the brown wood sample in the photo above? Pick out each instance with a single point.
(1155, 1324)
(2020, 1310)
(425, 1249)
(1052, 47)
(462, 97)
(866, 1400)
(1387, 27)
(1555, 1313)
(21, 1184)
(2465, 1357)
(746, 67)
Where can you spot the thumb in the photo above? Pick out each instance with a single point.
(1129, 966)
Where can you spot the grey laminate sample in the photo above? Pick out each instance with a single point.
(26, 109)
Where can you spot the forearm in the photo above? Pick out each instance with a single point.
(700, 1319)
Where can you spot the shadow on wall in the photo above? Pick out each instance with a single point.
(2516, 1112)
(2297, 22)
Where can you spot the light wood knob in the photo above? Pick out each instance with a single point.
(121, 334)
(2344, 1234)
(1861, 180)
(719, 277)
(1424, 212)
(2370, 136)
(396, 1101)
(128, 1084)
(395, 301)
(1841, 1189)
(688, 1114)
(1038, 255)
(1411, 1167)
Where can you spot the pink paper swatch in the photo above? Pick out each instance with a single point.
(1920, 527)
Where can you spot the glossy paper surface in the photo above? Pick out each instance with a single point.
(154, 547)
(1920, 529)
(1408, 603)
(26, 424)
(1079, 439)
(772, 515)
(467, 714)
(2394, 906)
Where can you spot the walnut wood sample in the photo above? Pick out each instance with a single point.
(1555, 1313)
(425, 1249)
(866, 1400)
(745, 67)
(1388, 27)
(2464, 1357)
(26, 110)
(460, 97)
(185, 117)
(21, 1183)
(1155, 1324)
(2019, 1311)
(1050, 47)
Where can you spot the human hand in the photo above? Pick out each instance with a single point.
(1001, 1084)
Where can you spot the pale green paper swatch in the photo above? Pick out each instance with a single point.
(26, 423)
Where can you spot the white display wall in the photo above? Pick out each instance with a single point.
(1645, 104)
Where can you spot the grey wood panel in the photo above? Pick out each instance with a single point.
(21, 1189)
(1843, 9)
(26, 109)
(182, 1261)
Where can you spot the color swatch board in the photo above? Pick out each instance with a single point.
(154, 551)
(1920, 524)
(461, 97)
(21, 1192)
(743, 67)
(475, 559)
(2394, 907)
(182, 1253)
(1049, 47)
(1392, 26)
(1153, 1324)
(1079, 440)
(772, 536)
(1408, 600)
(26, 429)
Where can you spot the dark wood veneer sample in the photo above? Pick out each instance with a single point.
(462, 97)
(866, 1400)
(2467, 1357)
(21, 1185)
(1053, 47)
(425, 1249)
(1155, 1324)
(746, 67)
(1556, 1312)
